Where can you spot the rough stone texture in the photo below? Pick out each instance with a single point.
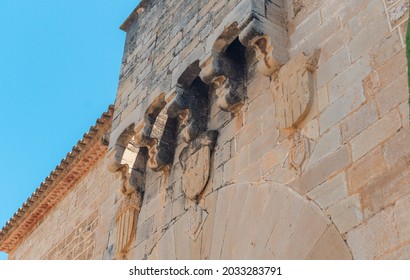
(78, 228)
(335, 186)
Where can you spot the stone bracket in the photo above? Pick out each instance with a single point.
(254, 36)
(160, 151)
(190, 103)
(226, 78)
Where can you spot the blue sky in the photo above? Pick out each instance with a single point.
(59, 67)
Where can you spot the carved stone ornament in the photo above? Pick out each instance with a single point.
(299, 152)
(160, 150)
(294, 92)
(253, 37)
(115, 164)
(226, 77)
(196, 220)
(190, 103)
(126, 222)
(195, 160)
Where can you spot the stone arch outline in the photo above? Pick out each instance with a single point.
(258, 221)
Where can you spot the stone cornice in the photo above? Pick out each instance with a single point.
(77, 163)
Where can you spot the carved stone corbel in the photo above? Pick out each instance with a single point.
(132, 188)
(192, 106)
(160, 151)
(115, 164)
(253, 37)
(226, 77)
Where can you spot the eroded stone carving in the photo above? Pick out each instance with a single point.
(196, 220)
(126, 222)
(253, 37)
(224, 69)
(161, 147)
(294, 92)
(116, 160)
(190, 103)
(299, 152)
(130, 162)
(226, 76)
(195, 160)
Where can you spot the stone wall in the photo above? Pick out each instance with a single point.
(249, 129)
(311, 158)
(79, 226)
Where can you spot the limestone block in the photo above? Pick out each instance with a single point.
(327, 144)
(371, 14)
(181, 239)
(359, 121)
(330, 247)
(333, 66)
(341, 108)
(367, 38)
(386, 188)
(375, 237)
(397, 147)
(307, 233)
(375, 134)
(311, 129)
(251, 173)
(402, 253)
(291, 208)
(239, 204)
(322, 171)
(248, 133)
(309, 25)
(365, 169)
(263, 144)
(386, 49)
(393, 94)
(221, 221)
(330, 192)
(275, 157)
(323, 98)
(346, 214)
(401, 215)
(349, 78)
(335, 42)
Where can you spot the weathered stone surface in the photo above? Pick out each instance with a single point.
(330, 192)
(341, 108)
(330, 247)
(358, 121)
(341, 171)
(195, 160)
(294, 91)
(327, 144)
(365, 169)
(401, 218)
(397, 147)
(375, 237)
(375, 134)
(322, 171)
(386, 188)
(346, 214)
